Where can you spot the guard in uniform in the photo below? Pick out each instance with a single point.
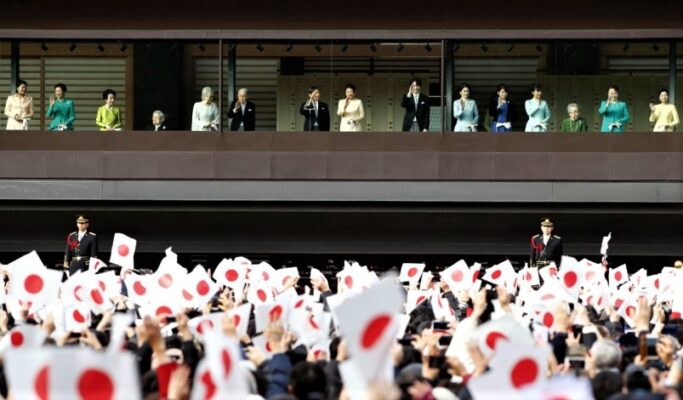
(81, 245)
(546, 247)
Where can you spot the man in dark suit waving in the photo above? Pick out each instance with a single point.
(81, 245)
(416, 104)
(546, 247)
(243, 112)
(316, 112)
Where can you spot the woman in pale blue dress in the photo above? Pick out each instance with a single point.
(465, 111)
(537, 110)
(205, 115)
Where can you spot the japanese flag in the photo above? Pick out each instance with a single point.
(204, 387)
(160, 308)
(411, 272)
(276, 313)
(28, 260)
(605, 244)
(240, 317)
(415, 298)
(369, 322)
(528, 277)
(500, 274)
(202, 324)
(458, 276)
(198, 288)
(96, 264)
(231, 274)
(571, 276)
(122, 251)
(260, 293)
(618, 276)
(284, 276)
(264, 345)
(560, 387)
(639, 278)
(592, 271)
(505, 329)
(223, 356)
(76, 318)
(169, 277)
(22, 337)
(35, 285)
(628, 309)
(41, 374)
(139, 288)
(262, 272)
(109, 284)
(514, 367)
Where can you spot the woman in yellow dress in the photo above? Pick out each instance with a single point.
(19, 108)
(664, 115)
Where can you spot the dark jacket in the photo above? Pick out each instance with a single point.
(87, 247)
(421, 113)
(323, 117)
(550, 252)
(248, 118)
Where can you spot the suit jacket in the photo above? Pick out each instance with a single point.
(550, 252)
(493, 110)
(323, 118)
(421, 113)
(162, 127)
(87, 247)
(248, 118)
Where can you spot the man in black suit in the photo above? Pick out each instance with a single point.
(416, 118)
(546, 247)
(158, 121)
(81, 245)
(316, 112)
(242, 112)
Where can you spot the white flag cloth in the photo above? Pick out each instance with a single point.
(560, 387)
(96, 264)
(458, 276)
(198, 288)
(231, 274)
(22, 337)
(34, 285)
(618, 276)
(369, 322)
(223, 356)
(605, 244)
(411, 272)
(123, 251)
(505, 329)
(41, 374)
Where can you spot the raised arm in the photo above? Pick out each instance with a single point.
(531, 107)
(603, 107)
(457, 109)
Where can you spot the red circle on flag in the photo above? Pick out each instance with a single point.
(162, 311)
(657, 283)
(261, 294)
(275, 313)
(77, 296)
(78, 317)
(348, 281)
(203, 288)
(553, 272)
(311, 321)
(208, 325)
(524, 372)
(102, 286)
(496, 274)
(590, 275)
(475, 275)
(40, 385)
(412, 272)
(95, 384)
(227, 362)
(457, 275)
(548, 296)
(187, 295)
(548, 320)
(374, 330)
(527, 276)
(265, 275)
(492, 339)
(299, 303)
(570, 279)
(285, 280)
(123, 250)
(231, 275)
(268, 348)
(96, 297)
(209, 386)
(139, 288)
(630, 311)
(33, 283)
(618, 275)
(166, 281)
(16, 339)
(236, 319)
(618, 303)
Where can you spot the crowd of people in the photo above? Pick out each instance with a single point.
(577, 330)
(242, 112)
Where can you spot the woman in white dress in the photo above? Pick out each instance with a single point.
(465, 111)
(537, 110)
(351, 111)
(205, 116)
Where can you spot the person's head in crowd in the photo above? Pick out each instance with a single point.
(350, 91)
(22, 86)
(536, 91)
(667, 346)
(307, 381)
(464, 90)
(573, 111)
(60, 90)
(314, 93)
(636, 379)
(207, 94)
(607, 383)
(109, 96)
(158, 118)
(242, 95)
(409, 378)
(605, 354)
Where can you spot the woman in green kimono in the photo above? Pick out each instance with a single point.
(614, 112)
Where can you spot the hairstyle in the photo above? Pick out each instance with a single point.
(21, 82)
(572, 105)
(417, 81)
(664, 91)
(312, 89)
(535, 87)
(85, 217)
(107, 92)
(243, 90)
(606, 354)
(306, 379)
(615, 87)
(207, 92)
(159, 113)
(463, 86)
(501, 87)
(61, 86)
(350, 86)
